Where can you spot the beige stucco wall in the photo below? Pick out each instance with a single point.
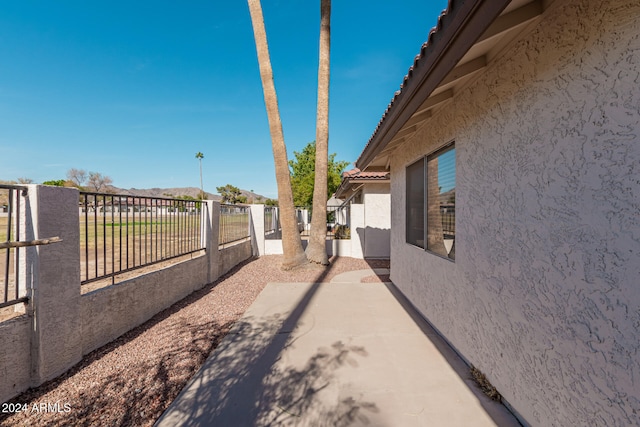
(377, 220)
(543, 295)
(109, 312)
(15, 349)
(231, 256)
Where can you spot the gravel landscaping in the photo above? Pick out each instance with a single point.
(133, 379)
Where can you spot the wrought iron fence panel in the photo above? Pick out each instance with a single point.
(12, 203)
(234, 224)
(272, 229)
(272, 226)
(338, 221)
(121, 233)
(448, 215)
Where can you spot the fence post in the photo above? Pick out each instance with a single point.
(212, 235)
(257, 229)
(305, 218)
(358, 229)
(52, 276)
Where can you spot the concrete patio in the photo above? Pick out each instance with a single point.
(342, 353)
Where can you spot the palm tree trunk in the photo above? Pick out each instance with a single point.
(316, 250)
(291, 243)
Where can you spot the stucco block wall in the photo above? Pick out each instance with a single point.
(543, 295)
(377, 219)
(340, 247)
(109, 312)
(15, 348)
(231, 256)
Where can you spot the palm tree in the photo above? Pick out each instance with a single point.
(200, 156)
(291, 242)
(316, 250)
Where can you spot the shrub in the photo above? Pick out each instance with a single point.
(342, 232)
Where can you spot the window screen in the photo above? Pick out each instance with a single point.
(415, 203)
(441, 202)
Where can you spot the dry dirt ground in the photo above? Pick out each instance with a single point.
(132, 380)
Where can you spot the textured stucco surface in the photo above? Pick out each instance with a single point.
(231, 256)
(377, 219)
(15, 371)
(53, 274)
(543, 295)
(109, 312)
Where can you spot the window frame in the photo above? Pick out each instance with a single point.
(409, 205)
(450, 146)
(425, 198)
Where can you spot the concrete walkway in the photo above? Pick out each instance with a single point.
(333, 354)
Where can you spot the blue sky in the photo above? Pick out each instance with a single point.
(134, 89)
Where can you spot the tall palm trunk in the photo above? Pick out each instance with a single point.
(291, 242)
(316, 251)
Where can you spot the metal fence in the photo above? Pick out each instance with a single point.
(11, 204)
(272, 227)
(448, 215)
(339, 222)
(234, 224)
(271, 223)
(120, 233)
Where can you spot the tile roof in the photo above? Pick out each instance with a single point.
(457, 29)
(416, 61)
(368, 175)
(352, 177)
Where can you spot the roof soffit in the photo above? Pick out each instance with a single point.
(468, 36)
(458, 29)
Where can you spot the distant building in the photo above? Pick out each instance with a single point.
(370, 189)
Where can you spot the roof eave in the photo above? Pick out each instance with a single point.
(459, 27)
(346, 186)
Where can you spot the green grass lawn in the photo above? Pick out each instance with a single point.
(108, 245)
(97, 231)
(233, 227)
(112, 243)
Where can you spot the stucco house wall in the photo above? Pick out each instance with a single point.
(377, 213)
(543, 295)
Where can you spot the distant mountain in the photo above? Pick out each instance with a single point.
(180, 191)
(163, 192)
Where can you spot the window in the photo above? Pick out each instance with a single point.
(415, 204)
(431, 187)
(441, 202)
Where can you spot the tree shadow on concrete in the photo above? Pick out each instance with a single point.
(296, 393)
(137, 391)
(245, 382)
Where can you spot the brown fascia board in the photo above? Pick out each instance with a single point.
(370, 181)
(459, 27)
(346, 186)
